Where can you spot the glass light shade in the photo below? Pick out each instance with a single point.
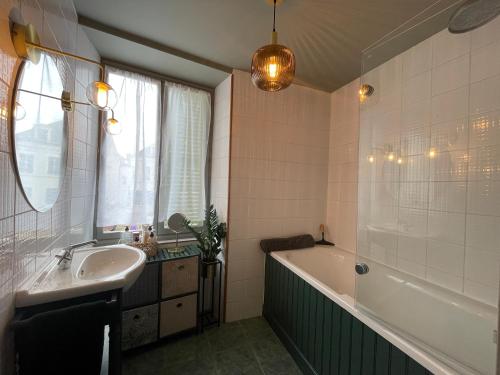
(113, 126)
(273, 67)
(101, 95)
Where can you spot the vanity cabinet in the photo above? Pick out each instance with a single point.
(164, 299)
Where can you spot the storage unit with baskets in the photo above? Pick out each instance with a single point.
(164, 299)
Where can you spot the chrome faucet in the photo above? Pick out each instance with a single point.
(66, 256)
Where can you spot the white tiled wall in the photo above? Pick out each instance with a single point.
(219, 186)
(436, 213)
(221, 133)
(279, 176)
(28, 238)
(343, 165)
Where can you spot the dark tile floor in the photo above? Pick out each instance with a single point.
(245, 347)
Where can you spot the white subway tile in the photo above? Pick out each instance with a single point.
(447, 227)
(485, 62)
(450, 75)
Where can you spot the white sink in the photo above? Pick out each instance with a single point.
(93, 270)
(109, 262)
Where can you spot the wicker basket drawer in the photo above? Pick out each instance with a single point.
(139, 326)
(178, 315)
(179, 277)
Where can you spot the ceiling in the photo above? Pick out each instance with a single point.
(327, 36)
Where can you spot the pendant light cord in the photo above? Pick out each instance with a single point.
(274, 16)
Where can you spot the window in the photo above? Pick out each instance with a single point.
(54, 165)
(26, 163)
(134, 171)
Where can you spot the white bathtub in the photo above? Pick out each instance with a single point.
(417, 311)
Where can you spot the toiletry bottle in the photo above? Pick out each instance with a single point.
(152, 238)
(124, 236)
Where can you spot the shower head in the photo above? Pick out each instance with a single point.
(472, 14)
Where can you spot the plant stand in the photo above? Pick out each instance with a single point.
(207, 278)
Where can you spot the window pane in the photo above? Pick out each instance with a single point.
(186, 126)
(127, 178)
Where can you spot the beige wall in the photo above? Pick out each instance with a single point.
(279, 175)
(26, 236)
(343, 167)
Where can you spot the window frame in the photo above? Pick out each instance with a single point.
(163, 234)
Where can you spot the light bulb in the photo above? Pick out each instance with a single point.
(4, 113)
(272, 70)
(432, 153)
(101, 95)
(400, 161)
(390, 156)
(113, 127)
(371, 159)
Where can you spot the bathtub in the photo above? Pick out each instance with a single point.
(418, 312)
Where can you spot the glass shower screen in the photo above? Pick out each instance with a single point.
(429, 162)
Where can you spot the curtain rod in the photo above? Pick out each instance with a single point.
(155, 75)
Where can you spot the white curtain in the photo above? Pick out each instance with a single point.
(129, 161)
(186, 127)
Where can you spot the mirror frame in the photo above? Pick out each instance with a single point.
(12, 133)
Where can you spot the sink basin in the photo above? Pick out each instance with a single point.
(93, 270)
(109, 263)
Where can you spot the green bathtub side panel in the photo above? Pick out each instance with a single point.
(336, 344)
(368, 351)
(307, 321)
(327, 338)
(323, 338)
(382, 355)
(398, 361)
(318, 345)
(356, 346)
(415, 368)
(312, 327)
(345, 340)
(295, 304)
(300, 314)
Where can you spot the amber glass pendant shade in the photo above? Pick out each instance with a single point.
(273, 66)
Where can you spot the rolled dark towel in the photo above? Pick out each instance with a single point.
(287, 243)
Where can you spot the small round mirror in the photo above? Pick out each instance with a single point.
(39, 132)
(176, 222)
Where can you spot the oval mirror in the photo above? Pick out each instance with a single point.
(176, 222)
(39, 132)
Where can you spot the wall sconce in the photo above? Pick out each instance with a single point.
(100, 95)
(113, 127)
(365, 91)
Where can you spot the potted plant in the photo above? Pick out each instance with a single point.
(209, 240)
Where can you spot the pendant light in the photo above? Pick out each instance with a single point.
(273, 66)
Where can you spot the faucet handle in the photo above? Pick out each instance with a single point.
(65, 257)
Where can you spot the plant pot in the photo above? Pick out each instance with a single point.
(208, 269)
